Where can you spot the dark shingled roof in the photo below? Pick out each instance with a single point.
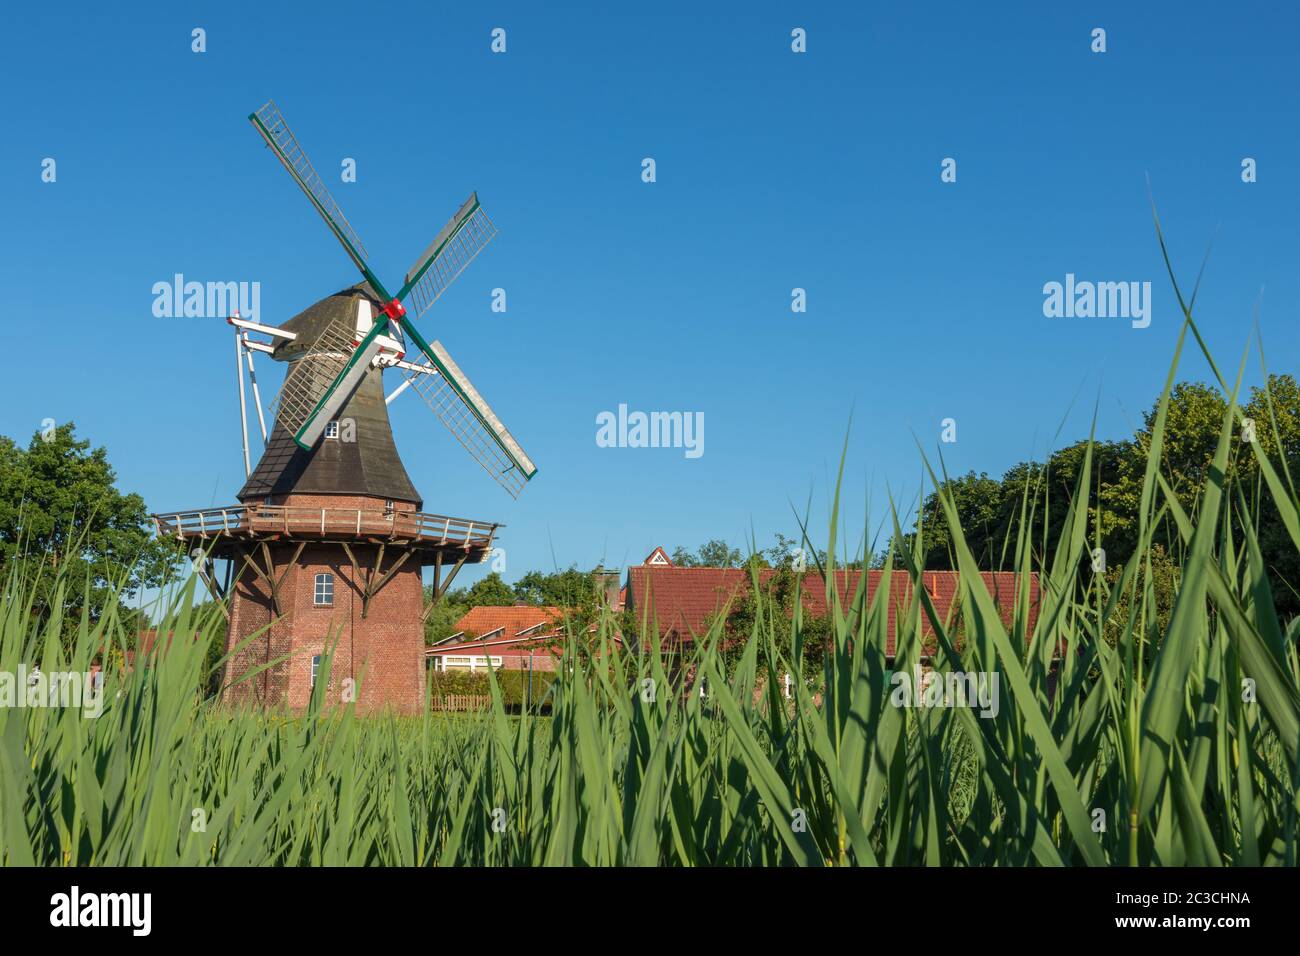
(368, 466)
(313, 320)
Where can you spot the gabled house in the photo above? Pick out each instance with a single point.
(521, 637)
(682, 602)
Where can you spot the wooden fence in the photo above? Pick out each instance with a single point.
(460, 702)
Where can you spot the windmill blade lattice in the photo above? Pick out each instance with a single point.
(451, 251)
(320, 382)
(284, 144)
(460, 407)
(309, 378)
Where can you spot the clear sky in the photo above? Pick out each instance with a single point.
(775, 170)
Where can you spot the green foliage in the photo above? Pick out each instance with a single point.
(514, 686)
(769, 606)
(1178, 720)
(574, 591)
(59, 502)
(990, 511)
(569, 588)
(715, 553)
(1162, 577)
(443, 621)
(490, 591)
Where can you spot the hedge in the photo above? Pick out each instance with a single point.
(514, 685)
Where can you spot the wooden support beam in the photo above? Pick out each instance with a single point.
(244, 565)
(437, 591)
(356, 570)
(272, 579)
(379, 563)
(460, 562)
(206, 574)
(377, 577)
(370, 581)
(271, 582)
(397, 565)
(264, 575)
(292, 561)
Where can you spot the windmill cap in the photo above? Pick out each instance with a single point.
(309, 324)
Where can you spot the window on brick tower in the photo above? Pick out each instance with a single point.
(315, 667)
(324, 590)
(332, 430)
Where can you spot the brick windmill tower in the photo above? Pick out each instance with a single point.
(328, 543)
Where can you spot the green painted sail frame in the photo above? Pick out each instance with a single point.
(469, 403)
(383, 323)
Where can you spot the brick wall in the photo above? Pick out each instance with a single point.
(379, 658)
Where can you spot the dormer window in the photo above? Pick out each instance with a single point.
(332, 430)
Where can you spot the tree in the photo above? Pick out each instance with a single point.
(790, 554)
(712, 554)
(569, 588)
(443, 619)
(1194, 417)
(490, 591)
(60, 508)
(979, 503)
(775, 606)
(989, 510)
(1274, 409)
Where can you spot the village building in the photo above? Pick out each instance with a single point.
(681, 603)
(522, 637)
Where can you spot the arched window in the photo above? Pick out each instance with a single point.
(324, 590)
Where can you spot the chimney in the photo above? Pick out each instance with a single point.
(609, 584)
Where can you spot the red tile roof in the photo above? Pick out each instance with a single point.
(683, 600)
(505, 647)
(482, 622)
(551, 645)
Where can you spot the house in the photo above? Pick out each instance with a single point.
(522, 637)
(682, 602)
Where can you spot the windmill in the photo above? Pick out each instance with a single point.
(325, 372)
(326, 549)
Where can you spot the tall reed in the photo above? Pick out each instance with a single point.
(1117, 741)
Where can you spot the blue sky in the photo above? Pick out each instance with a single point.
(775, 170)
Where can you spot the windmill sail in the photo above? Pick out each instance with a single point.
(451, 251)
(460, 407)
(318, 383)
(284, 144)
